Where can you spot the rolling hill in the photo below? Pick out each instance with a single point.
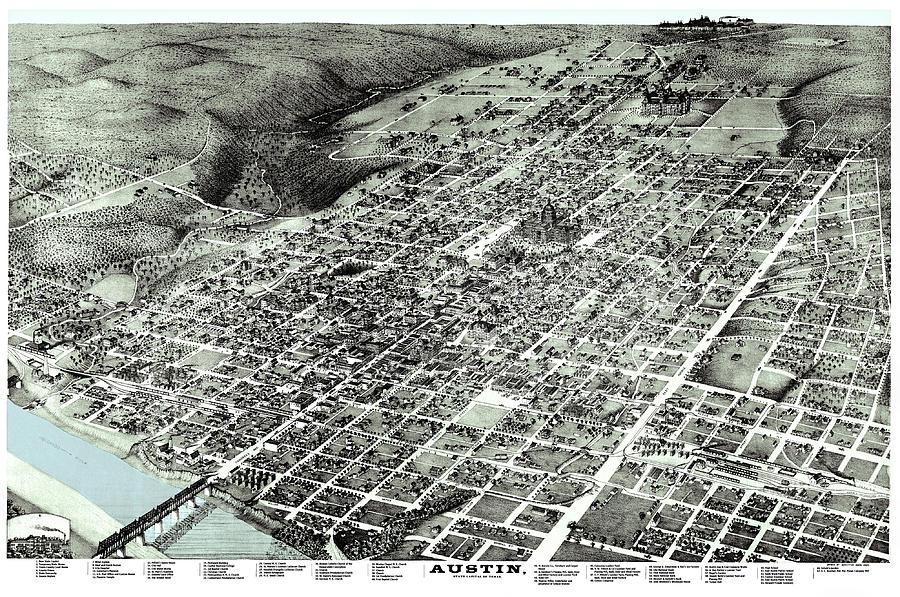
(124, 93)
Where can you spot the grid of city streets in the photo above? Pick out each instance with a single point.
(560, 326)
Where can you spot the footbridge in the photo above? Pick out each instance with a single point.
(114, 545)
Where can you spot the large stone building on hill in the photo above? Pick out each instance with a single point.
(665, 103)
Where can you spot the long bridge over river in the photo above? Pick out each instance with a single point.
(114, 545)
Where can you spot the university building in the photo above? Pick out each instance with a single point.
(665, 103)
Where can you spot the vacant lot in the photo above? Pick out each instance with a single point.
(114, 288)
(493, 508)
(618, 517)
(482, 416)
(732, 366)
(204, 359)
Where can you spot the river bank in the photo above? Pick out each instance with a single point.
(223, 500)
(70, 462)
(87, 460)
(50, 409)
(108, 440)
(47, 494)
(233, 518)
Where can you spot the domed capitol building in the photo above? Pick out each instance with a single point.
(551, 226)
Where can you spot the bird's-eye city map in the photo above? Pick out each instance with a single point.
(476, 295)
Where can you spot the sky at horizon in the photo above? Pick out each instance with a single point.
(635, 17)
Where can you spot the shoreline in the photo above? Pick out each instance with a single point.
(88, 521)
(126, 447)
(118, 444)
(218, 496)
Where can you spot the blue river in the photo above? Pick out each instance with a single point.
(121, 490)
(125, 492)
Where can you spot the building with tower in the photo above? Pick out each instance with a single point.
(665, 102)
(550, 226)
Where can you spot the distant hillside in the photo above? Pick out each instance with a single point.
(842, 92)
(67, 62)
(126, 93)
(26, 77)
